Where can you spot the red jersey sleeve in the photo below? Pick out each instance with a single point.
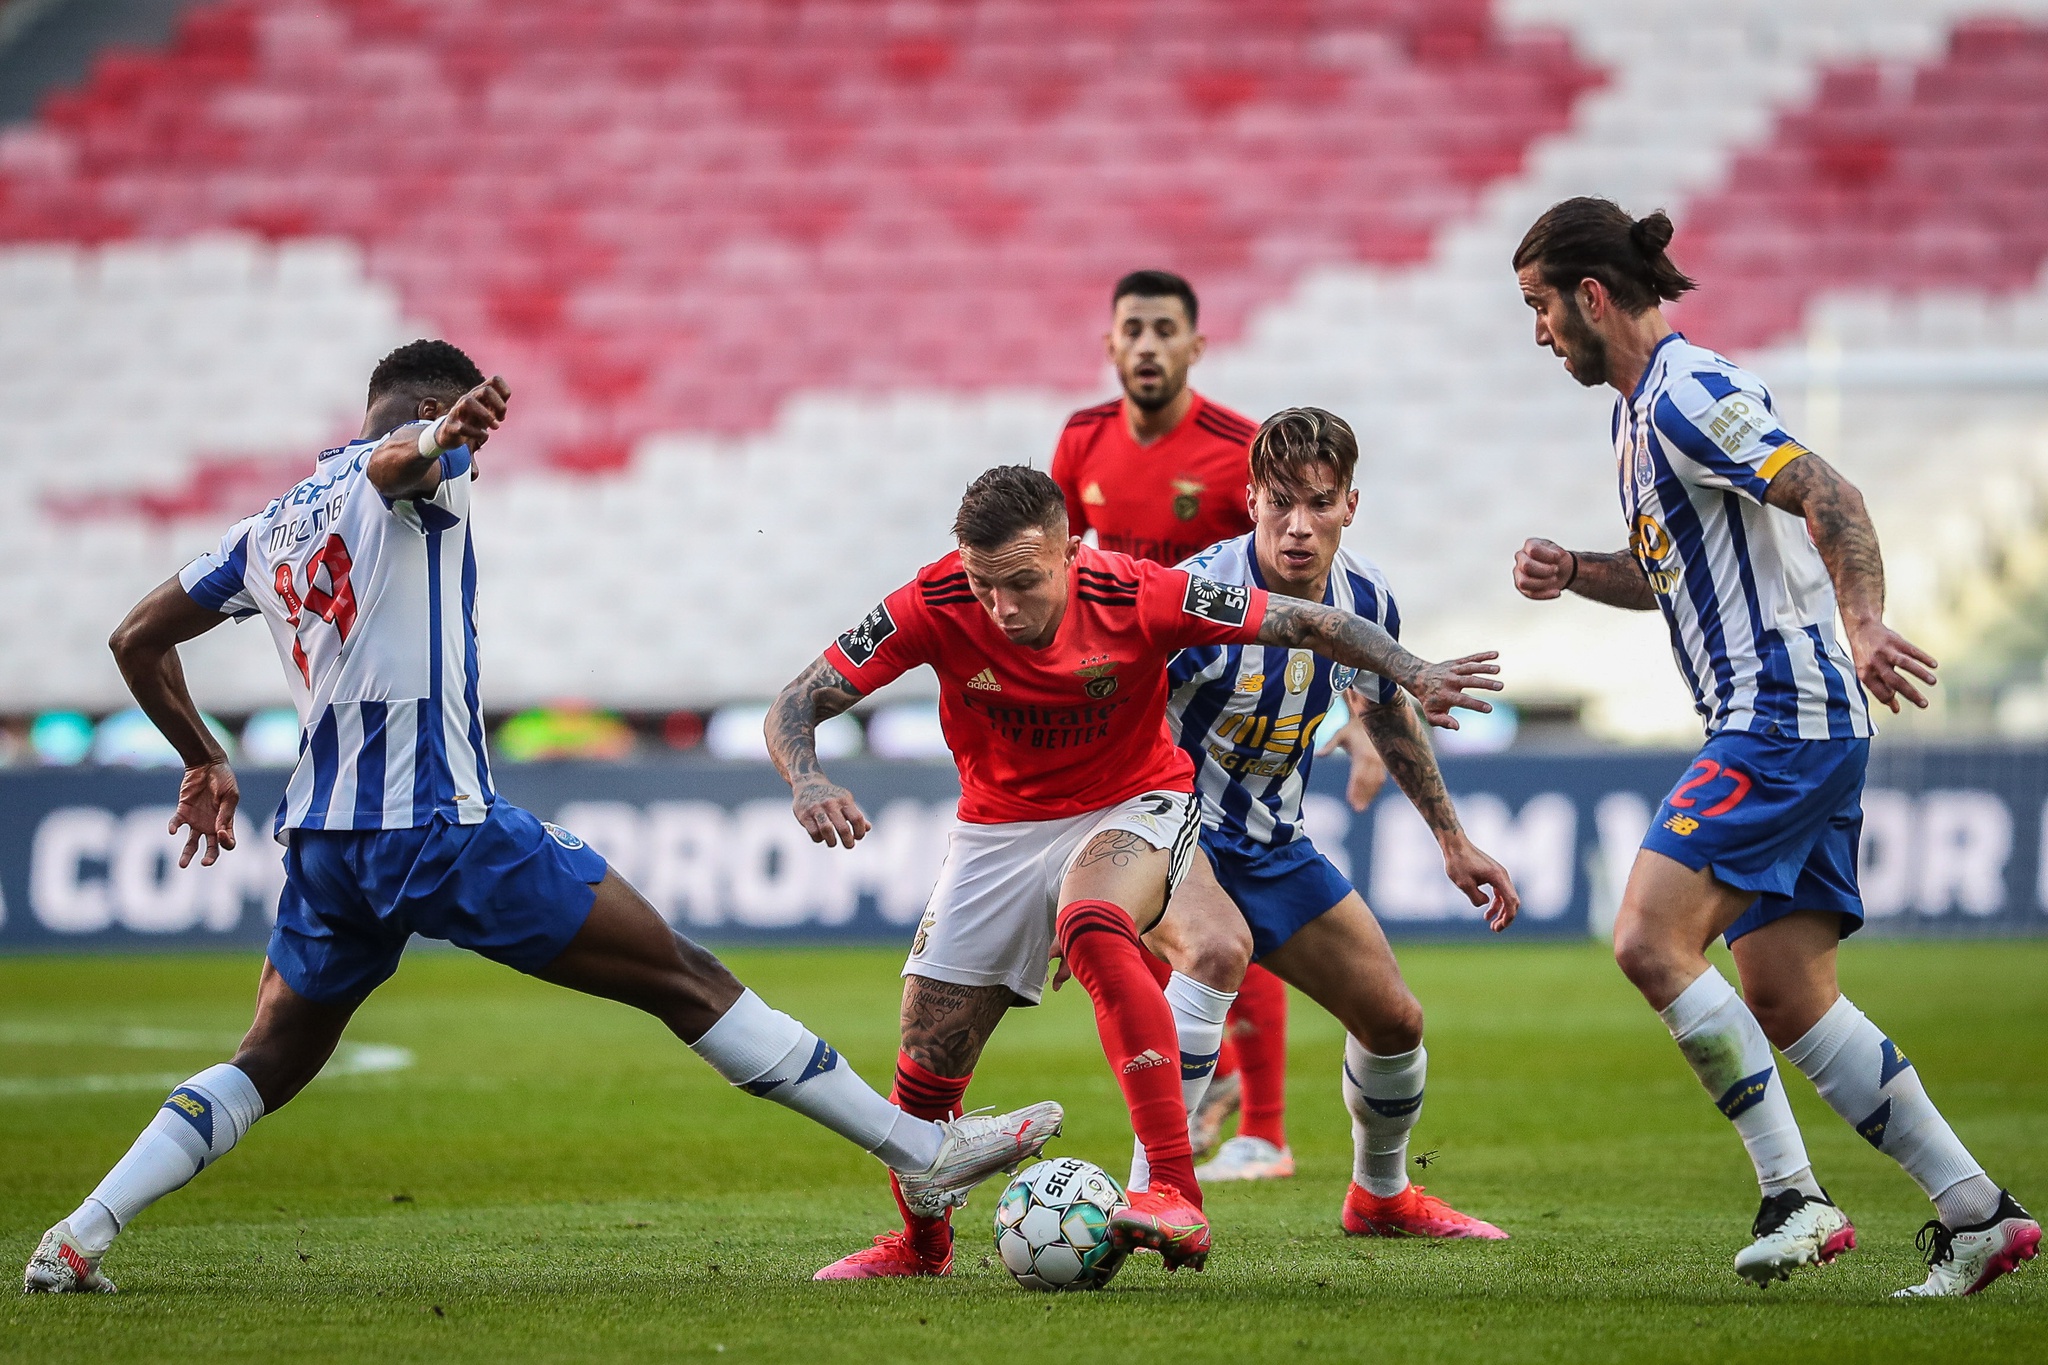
(889, 641)
(1180, 609)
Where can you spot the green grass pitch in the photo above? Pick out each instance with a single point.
(555, 1178)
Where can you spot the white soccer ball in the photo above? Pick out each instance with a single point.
(1052, 1225)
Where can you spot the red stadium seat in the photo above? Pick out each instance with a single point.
(517, 178)
(1938, 184)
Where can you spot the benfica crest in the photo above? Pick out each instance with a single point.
(1100, 680)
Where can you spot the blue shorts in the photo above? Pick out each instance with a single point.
(1778, 816)
(510, 888)
(1278, 888)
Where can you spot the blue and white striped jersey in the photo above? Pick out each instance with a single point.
(1248, 714)
(1743, 590)
(372, 607)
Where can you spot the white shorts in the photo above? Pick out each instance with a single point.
(990, 919)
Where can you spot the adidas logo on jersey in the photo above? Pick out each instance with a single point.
(1144, 1061)
(986, 681)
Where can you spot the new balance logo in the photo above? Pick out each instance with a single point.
(986, 681)
(1144, 1061)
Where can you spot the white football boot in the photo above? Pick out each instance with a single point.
(1247, 1158)
(1793, 1230)
(1965, 1260)
(62, 1266)
(1205, 1125)
(976, 1147)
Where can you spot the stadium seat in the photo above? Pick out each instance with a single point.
(772, 282)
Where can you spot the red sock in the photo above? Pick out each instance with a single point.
(1162, 970)
(1101, 948)
(925, 1095)
(1258, 1023)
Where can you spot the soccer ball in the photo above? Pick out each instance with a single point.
(1052, 1225)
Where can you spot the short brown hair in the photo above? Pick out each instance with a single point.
(1293, 440)
(1004, 503)
(1595, 239)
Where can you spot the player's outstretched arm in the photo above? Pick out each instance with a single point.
(1403, 741)
(827, 812)
(1354, 641)
(1545, 570)
(145, 647)
(408, 464)
(1836, 518)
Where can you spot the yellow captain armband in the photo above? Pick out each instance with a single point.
(1779, 458)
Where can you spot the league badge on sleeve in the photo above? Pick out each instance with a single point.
(1227, 604)
(860, 643)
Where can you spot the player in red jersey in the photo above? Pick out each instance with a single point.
(1076, 817)
(1161, 474)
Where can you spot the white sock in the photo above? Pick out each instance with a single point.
(1384, 1095)
(1198, 1015)
(197, 1125)
(1732, 1058)
(1869, 1082)
(766, 1053)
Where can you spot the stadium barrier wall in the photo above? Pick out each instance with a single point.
(1953, 844)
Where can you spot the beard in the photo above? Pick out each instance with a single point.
(1169, 389)
(1584, 347)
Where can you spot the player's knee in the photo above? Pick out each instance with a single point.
(1784, 1014)
(278, 1073)
(1218, 958)
(697, 990)
(1642, 954)
(1399, 1029)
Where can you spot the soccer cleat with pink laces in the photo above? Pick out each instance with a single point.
(893, 1256)
(975, 1147)
(1411, 1213)
(1164, 1220)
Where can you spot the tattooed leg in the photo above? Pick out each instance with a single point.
(946, 1025)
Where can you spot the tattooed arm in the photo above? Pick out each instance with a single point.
(827, 812)
(1545, 570)
(1352, 640)
(1810, 488)
(1403, 741)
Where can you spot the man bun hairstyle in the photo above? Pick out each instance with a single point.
(1595, 239)
(1157, 284)
(425, 369)
(1293, 441)
(1004, 503)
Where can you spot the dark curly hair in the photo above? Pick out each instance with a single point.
(424, 369)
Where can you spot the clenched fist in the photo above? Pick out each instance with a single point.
(1544, 569)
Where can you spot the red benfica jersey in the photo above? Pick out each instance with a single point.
(1043, 734)
(1165, 501)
